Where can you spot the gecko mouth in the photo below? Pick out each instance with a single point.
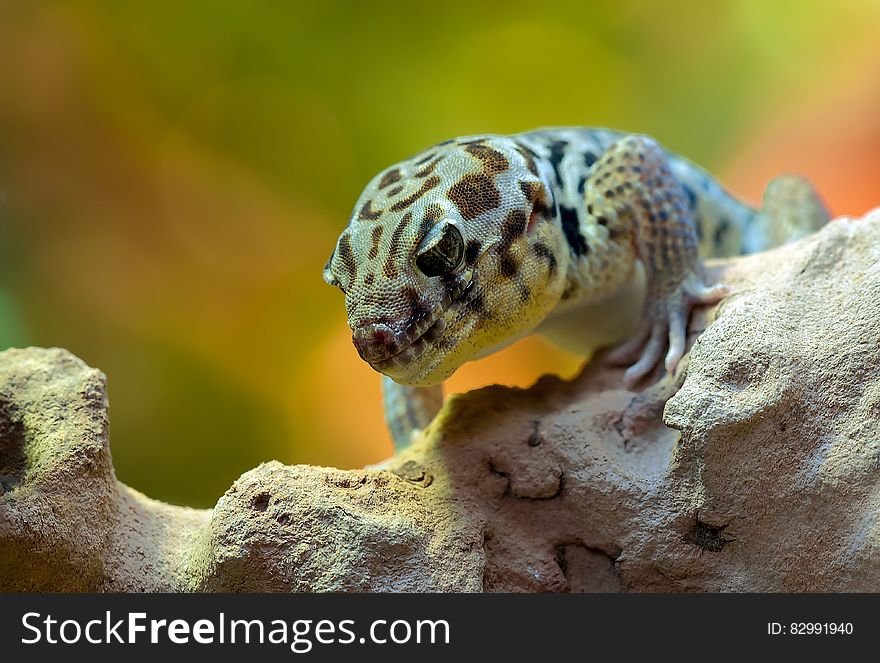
(419, 334)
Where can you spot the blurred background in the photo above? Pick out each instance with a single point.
(173, 176)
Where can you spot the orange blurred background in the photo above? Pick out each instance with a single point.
(173, 177)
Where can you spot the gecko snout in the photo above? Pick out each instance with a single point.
(377, 341)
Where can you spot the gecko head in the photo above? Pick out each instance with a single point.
(447, 257)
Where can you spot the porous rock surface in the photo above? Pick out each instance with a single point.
(754, 468)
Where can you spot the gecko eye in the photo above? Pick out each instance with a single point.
(441, 251)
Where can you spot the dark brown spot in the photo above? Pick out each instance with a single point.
(367, 212)
(393, 192)
(347, 257)
(376, 236)
(428, 169)
(525, 293)
(433, 213)
(472, 252)
(426, 158)
(390, 178)
(427, 185)
(425, 225)
(398, 232)
(493, 161)
(514, 226)
(543, 251)
(508, 266)
(529, 157)
(369, 279)
(542, 209)
(533, 191)
(473, 195)
(390, 266)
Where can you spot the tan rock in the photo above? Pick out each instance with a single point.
(763, 478)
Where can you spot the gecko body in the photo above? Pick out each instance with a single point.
(478, 241)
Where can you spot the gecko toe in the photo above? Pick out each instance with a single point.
(629, 351)
(708, 295)
(650, 357)
(667, 322)
(678, 320)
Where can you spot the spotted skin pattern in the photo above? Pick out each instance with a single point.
(479, 241)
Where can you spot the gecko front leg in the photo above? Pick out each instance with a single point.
(408, 410)
(633, 192)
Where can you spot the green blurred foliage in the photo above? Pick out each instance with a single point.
(12, 331)
(176, 174)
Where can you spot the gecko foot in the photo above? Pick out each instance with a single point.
(664, 327)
